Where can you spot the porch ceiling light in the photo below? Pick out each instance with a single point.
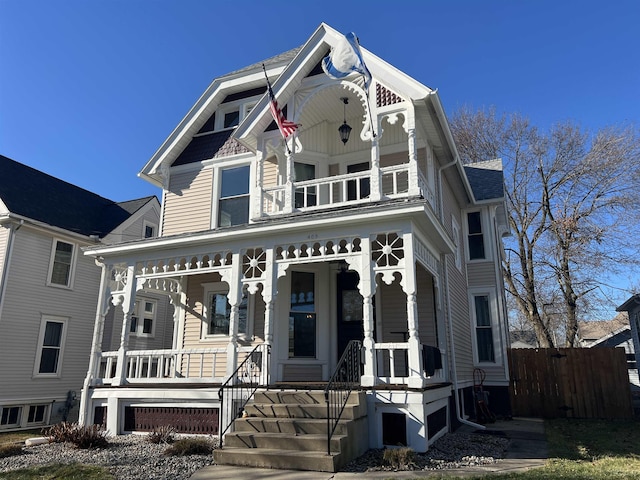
(344, 129)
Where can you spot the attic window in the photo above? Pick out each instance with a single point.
(231, 119)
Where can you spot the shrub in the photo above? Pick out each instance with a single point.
(89, 436)
(162, 434)
(10, 449)
(190, 446)
(399, 458)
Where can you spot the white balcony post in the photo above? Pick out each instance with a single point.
(414, 185)
(376, 179)
(128, 303)
(257, 194)
(289, 193)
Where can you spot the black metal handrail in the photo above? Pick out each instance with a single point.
(240, 387)
(345, 377)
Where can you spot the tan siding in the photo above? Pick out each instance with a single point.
(258, 318)
(393, 134)
(188, 202)
(27, 298)
(270, 172)
(394, 159)
(394, 313)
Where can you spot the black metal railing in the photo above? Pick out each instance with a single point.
(344, 379)
(235, 393)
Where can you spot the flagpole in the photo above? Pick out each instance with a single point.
(271, 101)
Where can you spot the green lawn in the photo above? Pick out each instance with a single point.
(59, 472)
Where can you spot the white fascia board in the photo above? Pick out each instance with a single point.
(45, 227)
(311, 224)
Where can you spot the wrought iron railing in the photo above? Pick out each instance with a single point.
(235, 393)
(344, 379)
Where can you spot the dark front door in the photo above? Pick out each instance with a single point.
(350, 324)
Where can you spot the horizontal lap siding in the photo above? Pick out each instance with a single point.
(426, 311)
(188, 202)
(270, 172)
(27, 298)
(394, 312)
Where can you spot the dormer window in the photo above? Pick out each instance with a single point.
(231, 119)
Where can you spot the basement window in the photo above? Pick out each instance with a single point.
(394, 429)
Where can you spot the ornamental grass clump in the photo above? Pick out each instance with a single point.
(89, 436)
(190, 446)
(162, 434)
(399, 458)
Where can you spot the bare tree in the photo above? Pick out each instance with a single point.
(572, 200)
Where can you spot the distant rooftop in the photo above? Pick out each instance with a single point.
(486, 179)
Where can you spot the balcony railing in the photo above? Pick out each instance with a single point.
(169, 366)
(340, 190)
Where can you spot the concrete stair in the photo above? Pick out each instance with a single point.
(287, 429)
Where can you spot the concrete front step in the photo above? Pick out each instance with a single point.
(274, 458)
(299, 397)
(284, 441)
(351, 411)
(294, 426)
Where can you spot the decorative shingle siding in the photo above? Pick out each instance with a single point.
(384, 96)
(209, 146)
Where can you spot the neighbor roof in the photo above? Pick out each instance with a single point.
(38, 196)
(596, 329)
(486, 179)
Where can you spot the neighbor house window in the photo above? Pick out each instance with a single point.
(475, 236)
(143, 319)
(61, 266)
(218, 312)
(233, 206)
(50, 346)
(149, 230)
(484, 329)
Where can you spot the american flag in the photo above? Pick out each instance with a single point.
(287, 127)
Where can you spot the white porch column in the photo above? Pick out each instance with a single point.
(269, 295)
(235, 298)
(409, 286)
(102, 309)
(367, 290)
(128, 302)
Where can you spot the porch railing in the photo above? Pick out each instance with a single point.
(393, 364)
(345, 377)
(351, 188)
(239, 388)
(173, 366)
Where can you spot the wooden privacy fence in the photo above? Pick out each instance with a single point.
(570, 383)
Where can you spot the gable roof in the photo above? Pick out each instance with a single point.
(595, 330)
(35, 195)
(486, 179)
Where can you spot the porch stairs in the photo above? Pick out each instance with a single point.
(287, 429)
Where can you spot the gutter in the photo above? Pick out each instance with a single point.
(7, 260)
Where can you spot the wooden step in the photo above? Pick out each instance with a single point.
(275, 458)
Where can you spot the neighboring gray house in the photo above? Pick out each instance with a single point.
(632, 307)
(278, 259)
(614, 333)
(49, 289)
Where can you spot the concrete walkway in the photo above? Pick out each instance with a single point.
(527, 449)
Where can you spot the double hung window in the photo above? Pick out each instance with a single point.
(475, 236)
(233, 206)
(484, 329)
(50, 347)
(143, 319)
(61, 266)
(218, 313)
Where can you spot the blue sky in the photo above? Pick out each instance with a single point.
(90, 89)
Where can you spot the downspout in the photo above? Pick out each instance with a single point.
(7, 262)
(453, 369)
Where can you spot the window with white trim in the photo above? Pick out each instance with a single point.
(143, 320)
(485, 350)
(50, 347)
(217, 312)
(37, 414)
(61, 264)
(475, 236)
(10, 416)
(233, 203)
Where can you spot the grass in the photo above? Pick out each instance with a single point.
(58, 472)
(585, 449)
(20, 436)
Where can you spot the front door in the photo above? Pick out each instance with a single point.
(350, 318)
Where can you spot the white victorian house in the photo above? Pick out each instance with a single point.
(278, 259)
